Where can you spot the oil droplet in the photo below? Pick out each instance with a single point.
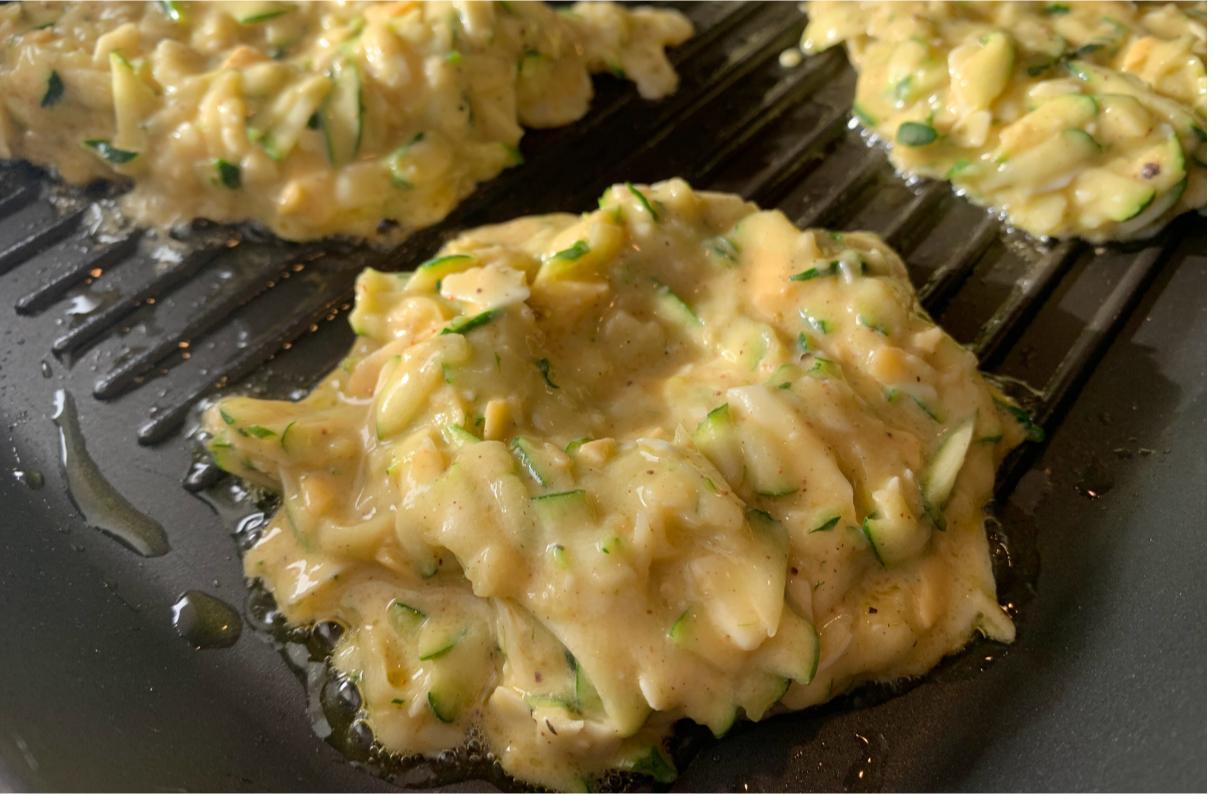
(82, 304)
(866, 774)
(30, 478)
(102, 506)
(1095, 480)
(204, 621)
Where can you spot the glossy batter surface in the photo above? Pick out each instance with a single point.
(1070, 119)
(582, 476)
(308, 118)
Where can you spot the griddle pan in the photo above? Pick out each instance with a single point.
(1100, 543)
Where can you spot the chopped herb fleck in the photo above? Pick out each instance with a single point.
(641, 199)
(545, 368)
(866, 118)
(257, 431)
(654, 765)
(575, 251)
(931, 414)
(1054, 9)
(228, 174)
(442, 260)
(915, 133)
(723, 247)
(957, 168)
(872, 325)
(763, 517)
(824, 368)
(902, 89)
(560, 494)
(406, 609)
(54, 90)
(1032, 431)
(462, 325)
(513, 155)
(173, 10)
(109, 153)
(266, 16)
(815, 272)
(817, 323)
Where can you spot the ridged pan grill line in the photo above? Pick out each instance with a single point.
(739, 122)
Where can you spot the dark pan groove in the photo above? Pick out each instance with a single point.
(96, 324)
(905, 222)
(1083, 354)
(831, 205)
(1027, 295)
(779, 178)
(795, 89)
(48, 227)
(165, 421)
(79, 262)
(1099, 330)
(948, 277)
(15, 196)
(250, 283)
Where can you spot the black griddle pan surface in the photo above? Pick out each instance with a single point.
(1104, 689)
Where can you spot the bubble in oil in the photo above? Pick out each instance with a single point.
(203, 474)
(323, 638)
(340, 700)
(866, 773)
(205, 621)
(30, 478)
(1094, 480)
(262, 611)
(248, 530)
